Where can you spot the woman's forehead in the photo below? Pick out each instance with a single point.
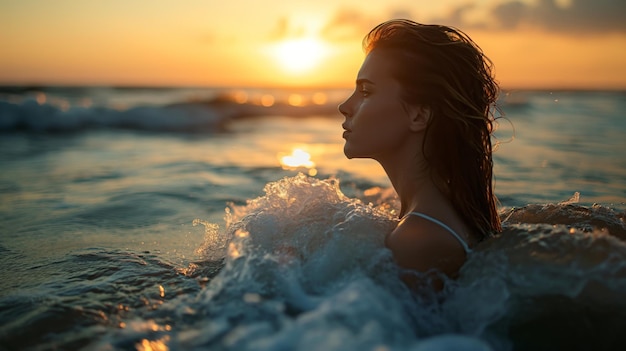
(376, 68)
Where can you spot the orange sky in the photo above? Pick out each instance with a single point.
(533, 43)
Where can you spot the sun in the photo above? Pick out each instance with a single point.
(299, 55)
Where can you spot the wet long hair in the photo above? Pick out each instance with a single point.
(442, 68)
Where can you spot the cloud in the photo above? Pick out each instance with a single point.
(509, 15)
(578, 16)
(347, 24)
(284, 30)
(350, 24)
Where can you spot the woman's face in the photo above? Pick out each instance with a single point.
(376, 120)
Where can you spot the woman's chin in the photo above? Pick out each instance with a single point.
(348, 153)
(354, 152)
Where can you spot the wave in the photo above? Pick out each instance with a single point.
(304, 267)
(313, 262)
(196, 116)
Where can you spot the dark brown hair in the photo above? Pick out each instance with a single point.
(442, 68)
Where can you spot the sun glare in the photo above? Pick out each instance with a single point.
(298, 159)
(299, 55)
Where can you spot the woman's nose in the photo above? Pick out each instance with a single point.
(343, 108)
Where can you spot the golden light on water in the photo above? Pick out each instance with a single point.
(267, 100)
(298, 158)
(295, 100)
(319, 98)
(41, 98)
(234, 250)
(241, 233)
(240, 97)
(153, 345)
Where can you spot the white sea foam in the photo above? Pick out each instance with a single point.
(306, 269)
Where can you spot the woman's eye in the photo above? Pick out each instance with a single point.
(364, 92)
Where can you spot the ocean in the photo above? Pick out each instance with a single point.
(229, 219)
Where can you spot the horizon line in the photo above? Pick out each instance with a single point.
(36, 86)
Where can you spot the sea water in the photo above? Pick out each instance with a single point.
(155, 219)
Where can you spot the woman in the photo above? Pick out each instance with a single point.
(421, 108)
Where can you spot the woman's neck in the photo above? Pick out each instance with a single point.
(412, 182)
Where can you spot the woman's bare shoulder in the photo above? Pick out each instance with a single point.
(422, 245)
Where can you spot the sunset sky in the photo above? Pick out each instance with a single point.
(533, 43)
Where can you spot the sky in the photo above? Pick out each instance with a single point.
(548, 44)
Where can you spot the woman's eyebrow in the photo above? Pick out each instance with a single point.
(361, 81)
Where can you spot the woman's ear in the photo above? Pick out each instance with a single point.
(420, 116)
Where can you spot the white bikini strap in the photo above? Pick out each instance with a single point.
(434, 220)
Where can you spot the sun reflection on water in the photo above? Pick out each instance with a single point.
(298, 158)
(153, 345)
(267, 100)
(295, 100)
(319, 98)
